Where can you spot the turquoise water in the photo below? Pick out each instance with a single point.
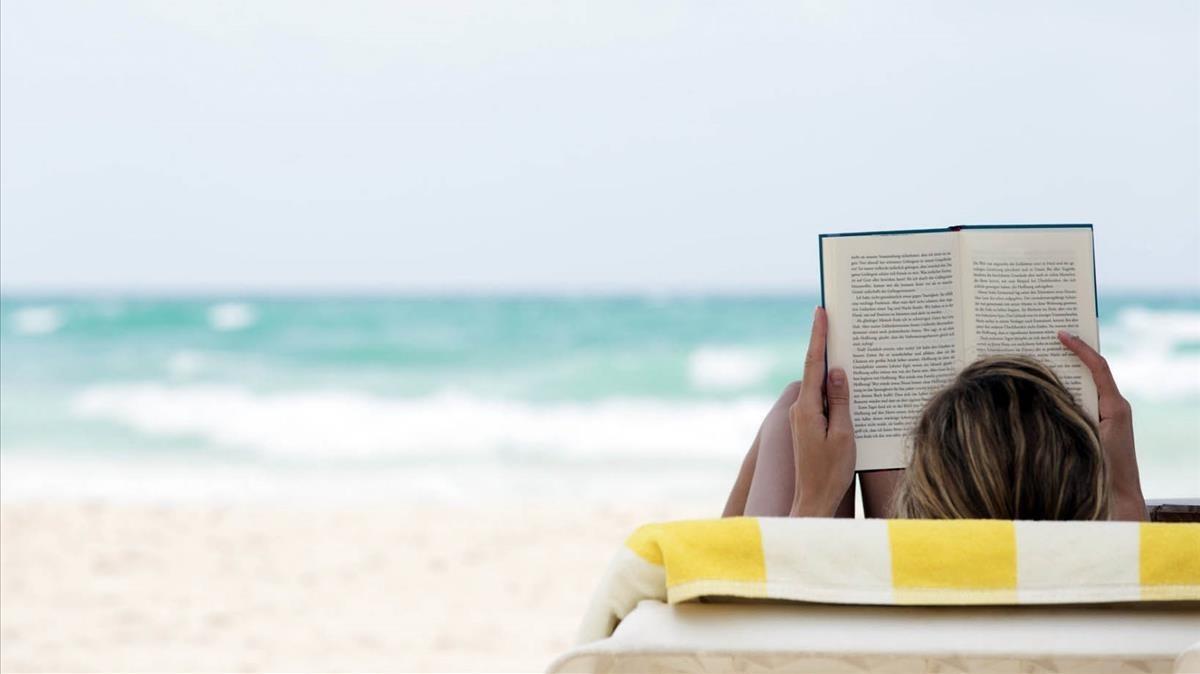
(516, 380)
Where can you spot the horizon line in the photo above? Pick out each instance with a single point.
(248, 291)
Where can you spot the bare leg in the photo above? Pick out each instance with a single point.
(774, 484)
(878, 488)
(773, 481)
(736, 505)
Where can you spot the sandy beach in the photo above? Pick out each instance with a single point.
(90, 586)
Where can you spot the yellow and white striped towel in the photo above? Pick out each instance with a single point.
(930, 562)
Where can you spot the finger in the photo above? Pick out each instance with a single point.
(1106, 386)
(814, 366)
(837, 392)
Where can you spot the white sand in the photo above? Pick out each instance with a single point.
(93, 587)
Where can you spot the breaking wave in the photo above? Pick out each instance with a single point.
(348, 424)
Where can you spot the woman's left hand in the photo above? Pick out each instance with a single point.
(823, 443)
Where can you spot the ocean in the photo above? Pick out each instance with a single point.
(444, 397)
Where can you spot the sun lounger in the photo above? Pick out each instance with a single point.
(892, 596)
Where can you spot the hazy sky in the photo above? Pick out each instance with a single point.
(579, 146)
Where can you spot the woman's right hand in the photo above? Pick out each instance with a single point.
(1116, 432)
(822, 442)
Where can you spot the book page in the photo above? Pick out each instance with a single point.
(1022, 287)
(894, 310)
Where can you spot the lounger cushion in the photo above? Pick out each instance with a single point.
(732, 637)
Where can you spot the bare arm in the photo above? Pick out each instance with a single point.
(879, 491)
(1116, 433)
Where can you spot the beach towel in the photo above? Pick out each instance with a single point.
(898, 562)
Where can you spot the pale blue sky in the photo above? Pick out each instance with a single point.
(568, 146)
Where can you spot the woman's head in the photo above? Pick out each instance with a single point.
(1005, 440)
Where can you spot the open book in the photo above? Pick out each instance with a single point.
(909, 309)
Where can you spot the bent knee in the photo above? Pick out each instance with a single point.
(790, 394)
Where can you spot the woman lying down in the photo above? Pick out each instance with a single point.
(1003, 440)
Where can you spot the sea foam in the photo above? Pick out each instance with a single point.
(37, 320)
(333, 423)
(1147, 357)
(727, 368)
(230, 316)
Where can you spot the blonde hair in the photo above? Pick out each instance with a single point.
(1005, 440)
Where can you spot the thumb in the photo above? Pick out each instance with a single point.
(837, 393)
